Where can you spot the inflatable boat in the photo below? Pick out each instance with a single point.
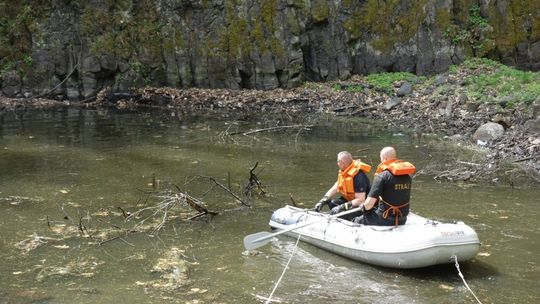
(419, 243)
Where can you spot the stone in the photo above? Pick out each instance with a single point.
(392, 102)
(91, 64)
(405, 89)
(488, 132)
(536, 108)
(73, 93)
(455, 138)
(11, 84)
(441, 79)
(504, 120)
(472, 106)
(108, 63)
(89, 84)
(448, 109)
(11, 91)
(123, 66)
(462, 98)
(533, 125)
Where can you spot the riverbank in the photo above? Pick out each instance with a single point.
(499, 134)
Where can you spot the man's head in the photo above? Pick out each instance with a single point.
(344, 159)
(388, 153)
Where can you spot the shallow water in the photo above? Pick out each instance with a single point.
(66, 167)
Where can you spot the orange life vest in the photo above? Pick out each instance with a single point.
(396, 167)
(346, 178)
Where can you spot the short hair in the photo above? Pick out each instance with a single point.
(388, 153)
(345, 155)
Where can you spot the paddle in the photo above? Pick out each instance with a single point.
(262, 238)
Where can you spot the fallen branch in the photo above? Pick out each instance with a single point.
(272, 129)
(526, 158)
(222, 187)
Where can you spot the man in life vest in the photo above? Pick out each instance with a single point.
(352, 184)
(387, 202)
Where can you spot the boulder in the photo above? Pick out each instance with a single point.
(488, 132)
(11, 84)
(91, 64)
(405, 89)
(108, 63)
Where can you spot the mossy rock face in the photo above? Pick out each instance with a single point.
(320, 11)
(259, 44)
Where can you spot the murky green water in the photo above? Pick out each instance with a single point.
(63, 168)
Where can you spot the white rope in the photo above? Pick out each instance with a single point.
(284, 269)
(463, 279)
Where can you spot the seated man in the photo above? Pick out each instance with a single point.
(391, 190)
(352, 184)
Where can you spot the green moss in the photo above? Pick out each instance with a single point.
(390, 21)
(320, 11)
(293, 23)
(257, 34)
(277, 47)
(299, 4)
(269, 12)
(233, 40)
(510, 28)
(18, 28)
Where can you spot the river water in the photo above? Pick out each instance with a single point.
(65, 171)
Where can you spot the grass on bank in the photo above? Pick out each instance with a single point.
(483, 80)
(487, 80)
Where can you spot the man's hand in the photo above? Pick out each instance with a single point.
(343, 207)
(324, 201)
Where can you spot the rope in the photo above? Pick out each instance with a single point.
(463, 279)
(284, 269)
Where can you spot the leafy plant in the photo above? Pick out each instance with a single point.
(384, 82)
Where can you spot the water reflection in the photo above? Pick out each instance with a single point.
(62, 167)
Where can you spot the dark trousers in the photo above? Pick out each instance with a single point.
(372, 218)
(339, 201)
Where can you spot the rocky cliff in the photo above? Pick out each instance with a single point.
(73, 49)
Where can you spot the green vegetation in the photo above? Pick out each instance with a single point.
(17, 22)
(476, 33)
(481, 79)
(320, 11)
(486, 79)
(391, 21)
(385, 81)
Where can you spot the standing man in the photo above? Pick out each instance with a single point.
(352, 184)
(391, 190)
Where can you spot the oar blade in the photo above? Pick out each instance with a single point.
(257, 240)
